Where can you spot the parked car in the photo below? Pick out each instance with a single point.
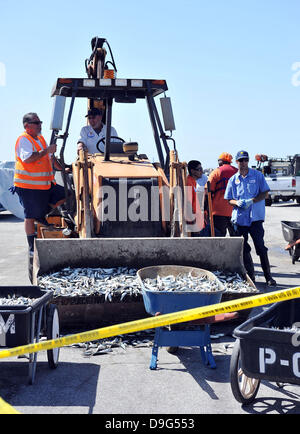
(282, 176)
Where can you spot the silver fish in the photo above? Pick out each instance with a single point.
(182, 283)
(105, 346)
(234, 282)
(16, 300)
(108, 282)
(122, 283)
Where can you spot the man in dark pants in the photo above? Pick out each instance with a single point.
(221, 209)
(34, 176)
(246, 191)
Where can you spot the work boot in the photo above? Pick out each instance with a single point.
(265, 265)
(249, 265)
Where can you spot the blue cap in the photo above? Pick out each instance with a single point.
(94, 112)
(242, 154)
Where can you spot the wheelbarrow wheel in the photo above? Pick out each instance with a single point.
(244, 388)
(52, 333)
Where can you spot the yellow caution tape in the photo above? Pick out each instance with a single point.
(158, 321)
(6, 408)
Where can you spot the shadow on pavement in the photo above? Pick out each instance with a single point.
(9, 218)
(70, 385)
(265, 405)
(190, 358)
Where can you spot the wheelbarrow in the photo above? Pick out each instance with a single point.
(291, 234)
(267, 348)
(195, 333)
(23, 324)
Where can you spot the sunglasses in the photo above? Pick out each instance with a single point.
(35, 122)
(243, 160)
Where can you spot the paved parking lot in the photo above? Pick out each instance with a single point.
(121, 382)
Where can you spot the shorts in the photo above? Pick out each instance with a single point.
(36, 202)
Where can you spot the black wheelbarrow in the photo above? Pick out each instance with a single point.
(267, 348)
(291, 234)
(23, 324)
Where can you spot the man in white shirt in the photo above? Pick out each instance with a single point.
(91, 134)
(34, 177)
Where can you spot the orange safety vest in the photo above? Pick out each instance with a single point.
(37, 175)
(218, 181)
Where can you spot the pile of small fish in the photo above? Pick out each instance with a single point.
(183, 282)
(105, 346)
(74, 282)
(233, 282)
(16, 300)
(292, 329)
(123, 282)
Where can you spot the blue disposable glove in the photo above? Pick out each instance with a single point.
(247, 203)
(240, 203)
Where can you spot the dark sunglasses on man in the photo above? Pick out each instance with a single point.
(243, 160)
(35, 122)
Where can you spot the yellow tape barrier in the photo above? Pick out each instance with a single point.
(158, 321)
(6, 408)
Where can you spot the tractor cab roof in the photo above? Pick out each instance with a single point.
(119, 89)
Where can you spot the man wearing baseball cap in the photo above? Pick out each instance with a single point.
(91, 135)
(218, 179)
(246, 192)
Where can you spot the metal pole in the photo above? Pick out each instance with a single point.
(65, 136)
(154, 126)
(108, 129)
(163, 137)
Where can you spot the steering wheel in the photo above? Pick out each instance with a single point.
(103, 139)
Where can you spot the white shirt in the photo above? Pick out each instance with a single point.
(24, 149)
(201, 182)
(90, 138)
(200, 186)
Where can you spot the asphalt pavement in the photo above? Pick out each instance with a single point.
(120, 382)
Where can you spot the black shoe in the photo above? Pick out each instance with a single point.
(43, 222)
(271, 282)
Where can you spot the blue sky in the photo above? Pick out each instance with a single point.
(228, 65)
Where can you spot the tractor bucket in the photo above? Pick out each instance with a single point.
(208, 253)
(55, 254)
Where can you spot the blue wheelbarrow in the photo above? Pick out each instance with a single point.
(191, 334)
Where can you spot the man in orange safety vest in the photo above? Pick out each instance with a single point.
(34, 176)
